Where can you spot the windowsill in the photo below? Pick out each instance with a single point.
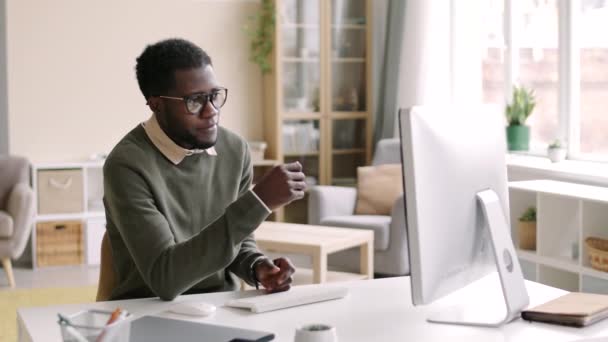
(577, 170)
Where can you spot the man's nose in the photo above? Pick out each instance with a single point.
(208, 111)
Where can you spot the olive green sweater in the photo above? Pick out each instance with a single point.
(181, 228)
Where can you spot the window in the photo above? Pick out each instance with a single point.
(593, 43)
(548, 38)
(538, 58)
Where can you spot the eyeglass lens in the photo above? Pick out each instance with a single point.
(196, 102)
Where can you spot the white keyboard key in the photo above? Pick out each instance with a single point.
(294, 297)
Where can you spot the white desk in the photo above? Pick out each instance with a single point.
(376, 310)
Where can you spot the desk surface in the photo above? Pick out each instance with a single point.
(374, 310)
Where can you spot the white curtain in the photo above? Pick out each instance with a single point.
(431, 55)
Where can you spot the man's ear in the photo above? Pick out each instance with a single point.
(155, 103)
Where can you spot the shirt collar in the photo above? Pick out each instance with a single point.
(166, 146)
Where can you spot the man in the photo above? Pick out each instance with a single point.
(179, 208)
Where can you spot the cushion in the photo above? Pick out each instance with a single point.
(378, 223)
(6, 225)
(377, 189)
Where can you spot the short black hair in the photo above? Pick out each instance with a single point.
(156, 66)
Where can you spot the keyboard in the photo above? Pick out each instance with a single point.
(296, 296)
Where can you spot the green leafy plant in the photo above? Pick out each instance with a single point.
(556, 144)
(261, 30)
(521, 106)
(529, 215)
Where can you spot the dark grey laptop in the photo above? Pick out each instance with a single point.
(159, 329)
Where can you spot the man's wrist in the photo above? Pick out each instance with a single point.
(254, 275)
(261, 201)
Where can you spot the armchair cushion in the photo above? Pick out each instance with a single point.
(378, 223)
(325, 201)
(377, 188)
(6, 225)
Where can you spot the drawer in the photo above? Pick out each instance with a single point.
(59, 243)
(60, 191)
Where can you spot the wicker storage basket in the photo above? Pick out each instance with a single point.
(598, 253)
(527, 235)
(59, 243)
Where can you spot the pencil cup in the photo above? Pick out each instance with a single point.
(316, 333)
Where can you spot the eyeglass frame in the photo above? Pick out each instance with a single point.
(207, 97)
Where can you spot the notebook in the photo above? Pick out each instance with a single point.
(574, 309)
(159, 329)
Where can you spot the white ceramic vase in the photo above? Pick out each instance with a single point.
(316, 333)
(556, 154)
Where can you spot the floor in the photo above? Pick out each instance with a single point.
(64, 276)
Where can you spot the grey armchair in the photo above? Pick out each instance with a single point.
(16, 210)
(335, 206)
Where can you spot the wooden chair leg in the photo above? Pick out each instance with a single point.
(8, 268)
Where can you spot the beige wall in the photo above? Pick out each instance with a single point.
(71, 82)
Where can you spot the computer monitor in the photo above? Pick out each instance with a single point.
(456, 199)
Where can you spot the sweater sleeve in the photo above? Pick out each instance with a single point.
(167, 267)
(249, 252)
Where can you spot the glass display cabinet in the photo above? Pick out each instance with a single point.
(317, 95)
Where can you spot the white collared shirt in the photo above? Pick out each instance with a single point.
(168, 147)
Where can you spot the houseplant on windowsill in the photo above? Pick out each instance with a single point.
(527, 229)
(520, 108)
(556, 152)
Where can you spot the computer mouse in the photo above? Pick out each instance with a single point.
(198, 309)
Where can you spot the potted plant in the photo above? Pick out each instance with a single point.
(520, 108)
(556, 151)
(527, 229)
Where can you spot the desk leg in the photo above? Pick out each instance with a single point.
(319, 268)
(367, 260)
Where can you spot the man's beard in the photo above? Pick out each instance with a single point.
(192, 141)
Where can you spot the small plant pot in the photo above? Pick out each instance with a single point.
(518, 138)
(527, 235)
(556, 154)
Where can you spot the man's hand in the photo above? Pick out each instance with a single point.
(275, 276)
(281, 185)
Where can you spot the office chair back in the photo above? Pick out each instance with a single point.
(107, 277)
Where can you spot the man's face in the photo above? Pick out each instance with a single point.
(184, 128)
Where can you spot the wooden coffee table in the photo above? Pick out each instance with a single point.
(318, 242)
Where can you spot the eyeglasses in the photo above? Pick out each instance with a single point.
(196, 102)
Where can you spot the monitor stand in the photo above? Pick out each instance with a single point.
(513, 288)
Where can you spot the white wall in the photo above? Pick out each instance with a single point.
(3, 91)
(71, 82)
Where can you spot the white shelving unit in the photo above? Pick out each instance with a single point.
(567, 214)
(90, 195)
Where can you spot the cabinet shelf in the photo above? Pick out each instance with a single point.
(348, 60)
(301, 154)
(349, 26)
(343, 151)
(71, 216)
(567, 214)
(594, 273)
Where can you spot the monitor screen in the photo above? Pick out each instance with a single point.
(449, 155)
